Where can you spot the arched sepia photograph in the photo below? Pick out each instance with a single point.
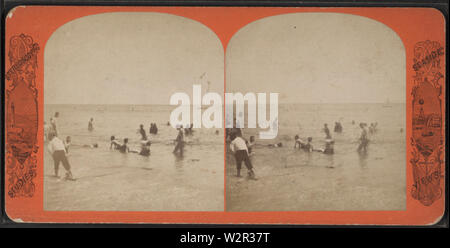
(225, 115)
(109, 141)
(339, 138)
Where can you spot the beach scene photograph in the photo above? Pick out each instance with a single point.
(109, 142)
(340, 142)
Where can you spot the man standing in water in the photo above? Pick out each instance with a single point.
(327, 131)
(91, 125)
(57, 149)
(363, 139)
(142, 132)
(179, 141)
(47, 130)
(240, 151)
(251, 144)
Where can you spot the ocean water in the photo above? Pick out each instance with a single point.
(293, 180)
(109, 180)
(288, 179)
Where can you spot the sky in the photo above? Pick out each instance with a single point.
(143, 58)
(130, 58)
(318, 58)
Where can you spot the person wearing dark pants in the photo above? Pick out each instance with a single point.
(240, 150)
(57, 149)
(60, 157)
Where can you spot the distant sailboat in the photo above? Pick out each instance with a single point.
(387, 104)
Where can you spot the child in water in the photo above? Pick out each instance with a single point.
(298, 142)
(179, 141)
(329, 147)
(308, 147)
(337, 127)
(145, 148)
(47, 130)
(68, 143)
(251, 144)
(276, 145)
(54, 123)
(141, 131)
(114, 143)
(91, 125)
(124, 147)
(154, 128)
(326, 130)
(363, 139)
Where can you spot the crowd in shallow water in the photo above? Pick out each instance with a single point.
(242, 149)
(59, 148)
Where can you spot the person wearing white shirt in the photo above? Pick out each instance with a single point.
(299, 142)
(240, 151)
(57, 149)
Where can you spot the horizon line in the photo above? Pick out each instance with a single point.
(279, 103)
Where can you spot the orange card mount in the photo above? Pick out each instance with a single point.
(51, 49)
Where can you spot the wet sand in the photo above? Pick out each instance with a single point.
(183, 185)
(310, 182)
